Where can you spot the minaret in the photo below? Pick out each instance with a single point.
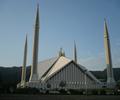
(75, 52)
(23, 77)
(34, 74)
(110, 77)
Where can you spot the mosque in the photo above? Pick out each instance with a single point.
(61, 72)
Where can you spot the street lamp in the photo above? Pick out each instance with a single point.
(85, 80)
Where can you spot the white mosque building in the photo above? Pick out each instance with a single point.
(61, 72)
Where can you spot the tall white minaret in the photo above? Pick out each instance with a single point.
(23, 77)
(34, 74)
(110, 76)
(75, 52)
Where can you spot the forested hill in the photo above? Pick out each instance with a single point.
(102, 75)
(10, 76)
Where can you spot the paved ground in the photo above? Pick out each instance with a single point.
(58, 97)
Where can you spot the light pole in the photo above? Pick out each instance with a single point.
(85, 81)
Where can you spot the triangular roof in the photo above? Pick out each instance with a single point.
(45, 65)
(60, 63)
(51, 66)
(88, 73)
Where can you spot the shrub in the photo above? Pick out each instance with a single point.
(72, 91)
(95, 92)
(27, 91)
(63, 91)
(102, 92)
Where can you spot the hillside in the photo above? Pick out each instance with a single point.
(10, 76)
(102, 75)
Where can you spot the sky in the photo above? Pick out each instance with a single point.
(61, 22)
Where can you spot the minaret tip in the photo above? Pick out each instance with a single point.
(37, 17)
(37, 5)
(26, 39)
(74, 44)
(105, 22)
(26, 36)
(104, 19)
(105, 29)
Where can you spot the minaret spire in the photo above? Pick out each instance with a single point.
(110, 77)
(105, 29)
(34, 74)
(23, 77)
(75, 52)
